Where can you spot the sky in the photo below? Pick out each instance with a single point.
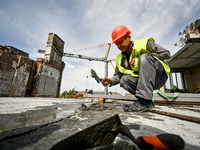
(25, 24)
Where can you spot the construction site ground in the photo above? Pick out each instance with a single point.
(39, 123)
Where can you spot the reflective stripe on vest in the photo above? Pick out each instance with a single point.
(138, 49)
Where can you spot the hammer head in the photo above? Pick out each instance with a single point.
(95, 76)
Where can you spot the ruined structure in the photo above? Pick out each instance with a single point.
(21, 76)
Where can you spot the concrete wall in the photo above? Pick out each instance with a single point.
(47, 80)
(192, 77)
(196, 78)
(188, 79)
(14, 73)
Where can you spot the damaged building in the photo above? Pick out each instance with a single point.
(21, 76)
(185, 64)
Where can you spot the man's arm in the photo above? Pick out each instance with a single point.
(158, 50)
(116, 77)
(114, 80)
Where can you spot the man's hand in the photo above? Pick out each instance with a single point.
(132, 62)
(106, 81)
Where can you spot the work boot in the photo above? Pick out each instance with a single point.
(140, 105)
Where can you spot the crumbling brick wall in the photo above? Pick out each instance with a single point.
(47, 80)
(21, 76)
(14, 72)
(48, 75)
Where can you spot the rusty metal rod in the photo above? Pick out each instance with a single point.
(178, 116)
(177, 102)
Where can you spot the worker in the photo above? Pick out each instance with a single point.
(140, 68)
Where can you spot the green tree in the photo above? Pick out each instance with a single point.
(66, 94)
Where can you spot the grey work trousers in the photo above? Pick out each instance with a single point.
(152, 76)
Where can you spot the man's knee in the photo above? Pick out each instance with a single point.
(124, 83)
(128, 83)
(145, 57)
(124, 80)
(128, 80)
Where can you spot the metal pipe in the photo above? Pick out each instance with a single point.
(106, 75)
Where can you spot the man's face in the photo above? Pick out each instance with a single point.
(123, 43)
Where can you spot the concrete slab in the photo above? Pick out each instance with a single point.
(39, 123)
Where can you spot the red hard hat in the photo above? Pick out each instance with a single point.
(119, 32)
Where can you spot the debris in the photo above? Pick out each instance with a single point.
(96, 107)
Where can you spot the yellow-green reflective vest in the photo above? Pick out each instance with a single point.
(138, 49)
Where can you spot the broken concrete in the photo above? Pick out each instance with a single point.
(39, 123)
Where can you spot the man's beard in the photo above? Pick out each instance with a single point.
(125, 49)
